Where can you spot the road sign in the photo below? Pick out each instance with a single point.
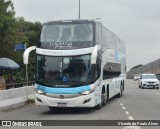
(20, 47)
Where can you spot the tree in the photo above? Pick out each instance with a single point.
(6, 21)
(15, 31)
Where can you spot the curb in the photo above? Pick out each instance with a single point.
(15, 102)
(16, 97)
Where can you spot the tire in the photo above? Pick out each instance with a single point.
(123, 85)
(52, 108)
(100, 105)
(120, 94)
(104, 100)
(142, 87)
(157, 87)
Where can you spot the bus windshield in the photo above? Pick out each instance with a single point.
(60, 71)
(66, 32)
(149, 76)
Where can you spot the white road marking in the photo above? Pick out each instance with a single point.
(132, 127)
(121, 104)
(130, 118)
(158, 93)
(127, 112)
(123, 108)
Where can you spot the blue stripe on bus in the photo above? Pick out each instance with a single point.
(52, 90)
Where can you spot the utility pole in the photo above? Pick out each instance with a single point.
(79, 8)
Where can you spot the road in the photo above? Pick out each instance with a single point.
(135, 104)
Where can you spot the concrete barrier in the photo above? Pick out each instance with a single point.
(15, 97)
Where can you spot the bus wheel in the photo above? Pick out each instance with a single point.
(99, 106)
(104, 102)
(120, 93)
(52, 108)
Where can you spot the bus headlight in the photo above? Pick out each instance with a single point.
(40, 92)
(40, 89)
(88, 91)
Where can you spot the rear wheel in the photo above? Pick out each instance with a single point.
(120, 93)
(104, 102)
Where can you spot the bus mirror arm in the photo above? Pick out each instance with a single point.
(94, 54)
(26, 54)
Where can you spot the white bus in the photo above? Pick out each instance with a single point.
(78, 64)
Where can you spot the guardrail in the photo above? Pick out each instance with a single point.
(16, 97)
(19, 84)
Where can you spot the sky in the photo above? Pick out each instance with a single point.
(136, 22)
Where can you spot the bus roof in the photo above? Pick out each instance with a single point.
(69, 21)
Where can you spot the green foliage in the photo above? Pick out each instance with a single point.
(6, 17)
(17, 31)
(19, 76)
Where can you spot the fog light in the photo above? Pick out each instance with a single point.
(86, 101)
(39, 100)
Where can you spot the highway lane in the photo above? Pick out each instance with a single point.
(135, 104)
(142, 104)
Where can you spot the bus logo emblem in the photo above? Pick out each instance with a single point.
(61, 96)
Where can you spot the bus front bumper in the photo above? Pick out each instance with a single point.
(66, 100)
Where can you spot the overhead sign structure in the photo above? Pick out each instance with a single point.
(20, 47)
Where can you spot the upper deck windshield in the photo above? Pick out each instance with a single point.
(67, 35)
(66, 32)
(63, 71)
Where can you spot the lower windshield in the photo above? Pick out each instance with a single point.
(63, 71)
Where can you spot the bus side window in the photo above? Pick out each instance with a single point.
(97, 68)
(111, 70)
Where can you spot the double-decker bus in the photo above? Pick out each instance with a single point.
(78, 64)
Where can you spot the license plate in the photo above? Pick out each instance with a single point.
(62, 104)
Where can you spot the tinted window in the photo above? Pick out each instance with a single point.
(111, 70)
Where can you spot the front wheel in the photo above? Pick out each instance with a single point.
(102, 103)
(99, 106)
(142, 86)
(139, 86)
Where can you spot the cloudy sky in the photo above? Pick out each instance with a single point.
(137, 22)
